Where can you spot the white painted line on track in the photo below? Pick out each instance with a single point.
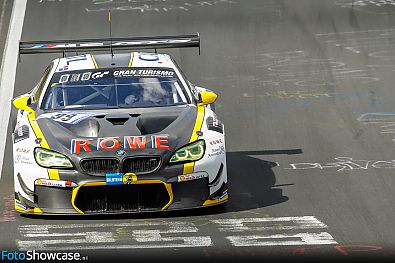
(175, 226)
(299, 239)
(269, 223)
(256, 231)
(2, 14)
(8, 70)
(239, 232)
(356, 32)
(143, 234)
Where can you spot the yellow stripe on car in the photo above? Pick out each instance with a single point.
(131, 59)
(188, 167)
(215, 201)
(52, 173)
(94, 61)
(18, 208)
(34, 210)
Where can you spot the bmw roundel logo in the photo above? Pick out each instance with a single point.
(120, 152)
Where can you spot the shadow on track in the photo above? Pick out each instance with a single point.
(251, 181)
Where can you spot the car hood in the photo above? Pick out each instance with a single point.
(144, 131)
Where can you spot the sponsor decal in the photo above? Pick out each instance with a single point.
(83, 76)
(134, 142)
(128, 178)
(21, 150)
(86, 76)
(148, 57)
(20, 205)
(215, 141)
(114, 43)
(99, 75)
(69, 60)
(22, 159)
(69, 117)
(77, 145)
(217, 151)
(214, 124)
(109, 143)
(115, 143)
(64, 68)
(21, 133)
(225, 193)
(144, 73)
(64, 78)
(75, 77)
(114, 178)
(120, 178)
(75, 58)
(222, 197)
(160, 142)
(189, 177)
(54, 183)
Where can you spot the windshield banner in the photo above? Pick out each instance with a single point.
(90, 75)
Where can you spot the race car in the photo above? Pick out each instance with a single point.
(116, 132)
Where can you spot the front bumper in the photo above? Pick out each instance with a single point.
(99, 197)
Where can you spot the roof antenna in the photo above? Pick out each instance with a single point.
(109, 20)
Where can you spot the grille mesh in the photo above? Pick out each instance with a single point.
(140, 165)
(122, 198)
(100, 166)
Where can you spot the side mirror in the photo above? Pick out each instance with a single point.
(207, 97)
(23, 103)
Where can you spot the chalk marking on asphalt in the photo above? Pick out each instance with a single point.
(8, 70)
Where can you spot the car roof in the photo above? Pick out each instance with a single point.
(117, 60)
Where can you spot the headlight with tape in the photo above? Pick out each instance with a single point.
(50, 159)
(190, 153)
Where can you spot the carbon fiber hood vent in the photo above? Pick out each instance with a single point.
(175, 122)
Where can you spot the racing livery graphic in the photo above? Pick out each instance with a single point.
(116, 133)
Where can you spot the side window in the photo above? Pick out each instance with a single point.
(36, 92)
(184, 77)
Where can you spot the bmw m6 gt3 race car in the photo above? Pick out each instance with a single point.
(116, 133)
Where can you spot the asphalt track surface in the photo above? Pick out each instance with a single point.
(306, 93)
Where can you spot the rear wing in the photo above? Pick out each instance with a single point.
(89, 45)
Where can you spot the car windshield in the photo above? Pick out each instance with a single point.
(114, 88)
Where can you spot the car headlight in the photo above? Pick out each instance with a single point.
(50, 159)
(190, 153)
